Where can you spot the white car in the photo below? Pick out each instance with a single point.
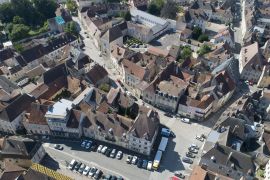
(104, 149)
(149, 165)
(92, 172)
(86, 170)
(185, 120)
(194, 146)
(134, 160)
(119, 155)
(84, 143)
(199, 138)
(99, 148)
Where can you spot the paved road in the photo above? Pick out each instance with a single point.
(72, 150)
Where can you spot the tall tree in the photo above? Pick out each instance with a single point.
(19, 31)
(71, 5)
(169, 9)
(6, 12)
(71, 27)
(46, 7)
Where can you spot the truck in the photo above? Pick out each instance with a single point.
(165, 132)
(163, 144)
(157, 160)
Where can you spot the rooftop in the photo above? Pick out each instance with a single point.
(59, 109)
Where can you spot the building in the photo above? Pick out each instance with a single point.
(56, 24)
(267, 171)
(22, 151)
(11, 171)
(12, 114)
(251, 63)
(97, 75)
(57, 117)
(228, 162)
(35, 122)
(146, 27)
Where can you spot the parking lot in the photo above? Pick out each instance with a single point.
(171, 161)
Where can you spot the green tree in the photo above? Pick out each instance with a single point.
(186, 52)
(203, 38)
(104, 87)
(46, 7)
(169, 9)
(204, 49)
(155, 7)
(19, 48)
(71, 6)
(6, 12)
(18, 20)
(71, 27)
(196, 32)
(19, 31)
(127, 16)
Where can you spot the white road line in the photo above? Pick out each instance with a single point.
(87, 162)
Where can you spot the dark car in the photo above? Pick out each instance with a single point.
(144, 165)
(172, 134)
(94, 146)
(190, 155)
(139, 163)
(180, 175)
(108, 152)
(76, 168)
(168, 115)
(98, 174)
(187, 160)
(113, 178)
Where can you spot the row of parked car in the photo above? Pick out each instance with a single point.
(109, 152)
(91, 172)
(192, 150)
(141, 163)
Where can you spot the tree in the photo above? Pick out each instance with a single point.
(186, 52)
(71, 27)
(196, 32)
(127, 16)
(19, 31)
(204, 49)
(203, 38)
(71, 5)
(169, 10)
(6, 12)
(18, 20)
(46, 7)
(155, 7)
(105, 87)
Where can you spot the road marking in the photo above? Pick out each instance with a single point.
(87, 162)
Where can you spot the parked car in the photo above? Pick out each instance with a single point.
(77, 167)
(195, 146)
(98, 174)
(72, 163)
(92, 172)
(103, 151)
(119, 155)
(86, 170)
(190, 155)
(134, 160)
(113, 153)
(172, 134)
(99, 148)
(187, 160)
(88, 145)
(108, 177)
(139, 163)
(168, 114)
(129, 158)
(120, 178)
(93, 147)
(83, 143)
(144, 165)
(149, 165)
(185, 120)
(81, 168)
(180, 175)
(193, 150)
(58, 147)
(200, 138)
(108, 152)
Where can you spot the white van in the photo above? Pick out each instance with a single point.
(72, 164)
